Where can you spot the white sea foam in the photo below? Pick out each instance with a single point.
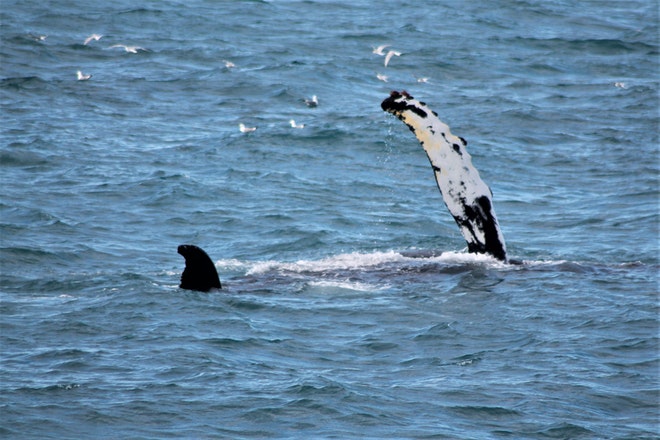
(232, 264)
(348, 285)
(357, 261)
(354, 260)
(453, 257)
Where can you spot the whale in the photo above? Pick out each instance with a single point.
(466, 195)
(200, 273)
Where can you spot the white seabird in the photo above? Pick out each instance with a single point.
(312, 102)
(294, 125)
(129, 49)
(82, 77)
(379, 50)
(389, 56)
(95, 37)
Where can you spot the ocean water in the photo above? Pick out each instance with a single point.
(350, 307)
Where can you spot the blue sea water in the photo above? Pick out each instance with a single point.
(350, 307)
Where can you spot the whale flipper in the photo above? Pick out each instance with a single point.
(468, 198)
(200, 273)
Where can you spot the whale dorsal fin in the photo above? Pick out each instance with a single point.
(200, 273)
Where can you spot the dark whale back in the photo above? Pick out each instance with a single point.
(200, 273)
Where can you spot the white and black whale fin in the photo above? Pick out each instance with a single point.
(468, 198)
(200, 273)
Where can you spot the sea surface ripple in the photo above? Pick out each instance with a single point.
(350, 307)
